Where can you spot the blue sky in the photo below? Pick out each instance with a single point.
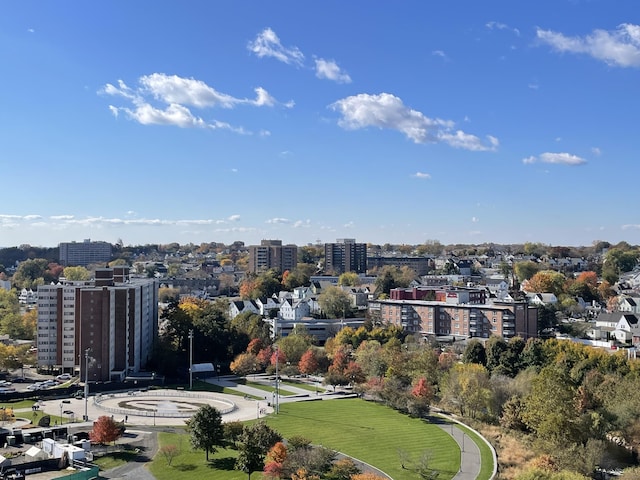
(399, 122)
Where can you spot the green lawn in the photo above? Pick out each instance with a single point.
(311, 387)
(368, 431)
(191, 464)
(114, 460)
(267, 388)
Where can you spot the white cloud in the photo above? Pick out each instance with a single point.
(175, 95)
(31, 30)
(302, 223)
(388, 111)
(61, 217)
(349, 224)
(440, 53)
(267, 44)
(330, 70)
(421, 175)
(596, 151)
(533, 86)
(475, 219)
(631, 227)
(501, 26)
(234, 218)
(278, 220)
(620, 47)
(556, 158)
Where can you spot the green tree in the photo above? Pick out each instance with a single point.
(550, 408)
(526, 270)
(9, 303)
(294, 345)
(76, 273)
(495, 348)
(31, 273)
(475, 353)
(206, 430)
(254, 443)
(334, 302)
(467, 388)
(349, 279)
(252, 325)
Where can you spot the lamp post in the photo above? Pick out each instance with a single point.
(190, 359)
(61, 417)
(86, 384)
(277, 398)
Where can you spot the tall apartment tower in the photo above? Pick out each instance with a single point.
(114, 316)
(272, 254)
(345, 256)
(84, 253)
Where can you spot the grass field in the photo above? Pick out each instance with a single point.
(370, 432)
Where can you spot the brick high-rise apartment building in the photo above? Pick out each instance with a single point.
(345, 256)
(271, 254)
(114, 316)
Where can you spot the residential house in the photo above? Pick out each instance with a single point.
(268, 305)
(628, 303)
(542, 298)
(627, 329)
(240, 306)
(294, 309)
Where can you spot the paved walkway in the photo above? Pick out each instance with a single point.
(470, 460)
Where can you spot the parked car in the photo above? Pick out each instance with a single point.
(64, 377)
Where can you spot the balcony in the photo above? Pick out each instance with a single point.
(508, 325)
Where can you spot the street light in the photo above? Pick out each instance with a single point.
(190, 359)
(86, 384)
(277, 398)
(61, 417)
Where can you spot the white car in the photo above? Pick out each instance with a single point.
(64, 377)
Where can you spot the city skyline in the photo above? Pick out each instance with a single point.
(388, 123)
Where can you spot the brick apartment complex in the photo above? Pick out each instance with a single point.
(84, 253)
(114, 316)
(461, 320)
(421, 265)
(345, 256)
(271, 254)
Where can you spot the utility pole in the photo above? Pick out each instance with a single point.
(86, 384)
(190, 359)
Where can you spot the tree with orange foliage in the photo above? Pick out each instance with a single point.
(302, 474)
(546, 281)
(367, 476)
(274, 460)
(255, 346)
(244, 364)
(309, 363)
(105, 430)
(422, 389)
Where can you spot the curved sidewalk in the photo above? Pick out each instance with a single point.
(470, 458)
